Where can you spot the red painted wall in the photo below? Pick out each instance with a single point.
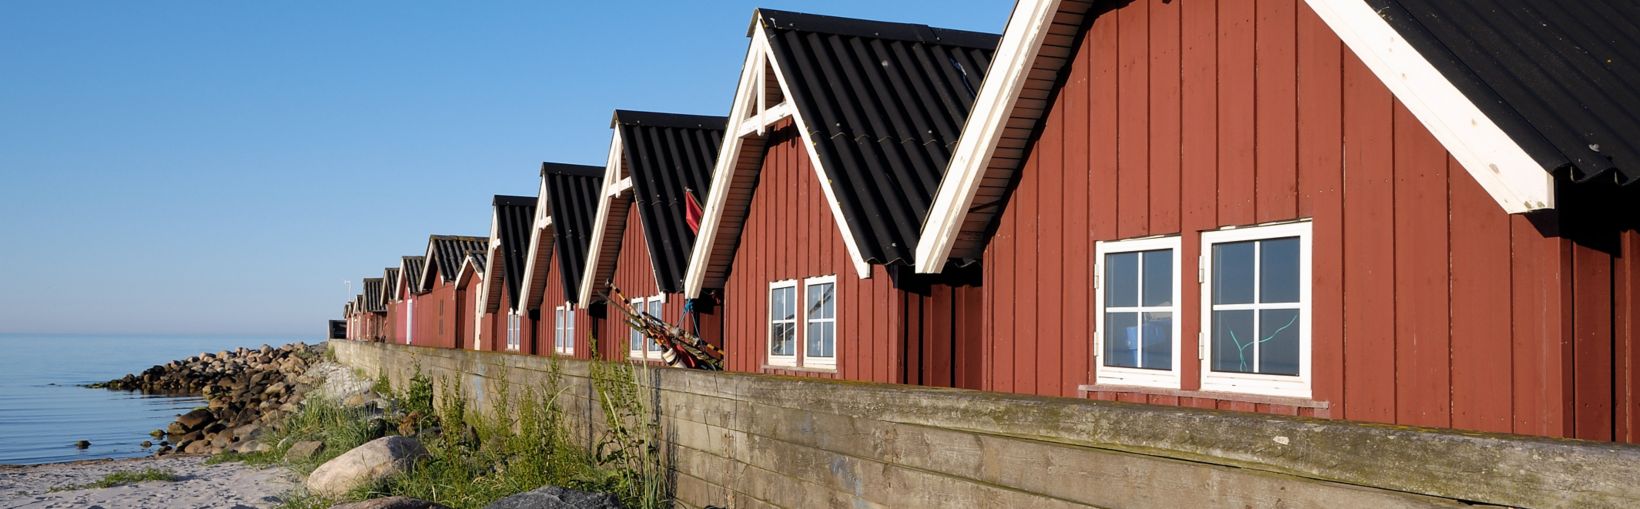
(435, 316)
(885, 333)
(1431, 306)
(635, 277)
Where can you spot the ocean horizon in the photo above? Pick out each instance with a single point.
(45, 408)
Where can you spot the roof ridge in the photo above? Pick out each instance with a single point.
(774, 19)
(665, 119)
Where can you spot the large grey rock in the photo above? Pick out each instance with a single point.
(196, 419)
(364, 465)
(392, 503)
(553, 497)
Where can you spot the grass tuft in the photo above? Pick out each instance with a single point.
(123, 478)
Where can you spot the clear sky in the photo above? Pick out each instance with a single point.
(223, 167)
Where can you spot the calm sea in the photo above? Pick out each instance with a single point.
(44, 411)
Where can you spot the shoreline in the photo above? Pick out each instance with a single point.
(197, 484)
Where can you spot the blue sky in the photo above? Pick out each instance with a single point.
(222, 167)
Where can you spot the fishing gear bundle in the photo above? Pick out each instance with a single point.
(678, 347)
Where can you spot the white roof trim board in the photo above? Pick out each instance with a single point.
(1503, 168)
(541, 236)
(606, 237)
(745, 124)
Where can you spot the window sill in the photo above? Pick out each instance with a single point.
(798, 369)
(1083, 391)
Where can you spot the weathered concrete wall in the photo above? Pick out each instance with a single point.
(740, 440)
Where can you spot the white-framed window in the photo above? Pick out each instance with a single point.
(1256, 310)
(513, 343)
(820, 322)
(639, 345)
(564, 331)
(410, 322)
(782, 344)
(1136, 312)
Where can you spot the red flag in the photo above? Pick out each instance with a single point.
(692, 211)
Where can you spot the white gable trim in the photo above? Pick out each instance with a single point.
(993, 106)
(1513, 178)
(743, 123)
(541, 227)
(488, 276)
(613, 174)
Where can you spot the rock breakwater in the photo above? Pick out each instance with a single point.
(247, 390)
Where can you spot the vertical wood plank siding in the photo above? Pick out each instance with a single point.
(1175, 118)
(919, 332)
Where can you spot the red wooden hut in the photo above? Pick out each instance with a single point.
(660, 168)
(828, 166)
(1395, 211)
(508, 326)
(556, 253)
(404, 291)
(389, 298)
(469, 306)
(435, 308)
(375, 311)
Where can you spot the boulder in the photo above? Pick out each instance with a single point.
(392, 503)
(195, 419)
(364, 465)
(553, 497)
(197, 447)
(303, 450)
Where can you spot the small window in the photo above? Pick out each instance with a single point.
(783, 323)
(635, 340)
(513, 343)
(563, 340)
(1136, 312)
(820, 327)
(1256, 290)
(657, 309)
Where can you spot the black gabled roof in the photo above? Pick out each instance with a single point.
(390, 281)
(478, 259)
(572, 191)
(885, 104)
(412, 271)
(514, 217)
(669, 155)
(373, 295)
(448, 251)
(1558, 77)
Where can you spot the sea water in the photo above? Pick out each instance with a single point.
(44, 409)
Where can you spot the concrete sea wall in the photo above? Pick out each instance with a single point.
(742, 440)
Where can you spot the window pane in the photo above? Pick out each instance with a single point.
(831, 341)
(1233, 273)
(634, 341)
(1122, 340)
(782, 303)
(1278, 349)
(1233, 341)
(1278, 270)
(1158, 341)
(783, 341)
(1122, 280)
(1158, 268)
(819, 301)
(820, 339)
(657, 309)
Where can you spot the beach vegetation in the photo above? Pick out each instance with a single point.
(125, 477)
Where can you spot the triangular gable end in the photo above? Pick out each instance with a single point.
(760, 103)
(1013, 99)
(489, 290)
(614, 199)
(539, 255)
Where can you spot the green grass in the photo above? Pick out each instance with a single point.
(123, 478)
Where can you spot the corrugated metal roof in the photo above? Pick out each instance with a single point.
(410, 271)
(477, 258)
(572, 190)
(1558, 77)
(373, 295)
(667, 156)
(885, 104)
(390, 281)
(514, 216)
(446, 252)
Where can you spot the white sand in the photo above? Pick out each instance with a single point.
(225, 485)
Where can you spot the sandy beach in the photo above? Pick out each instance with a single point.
(226, 485)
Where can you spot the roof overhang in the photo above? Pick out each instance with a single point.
(539, 256)
(1007, 113)
(608, 225)
(489, 293)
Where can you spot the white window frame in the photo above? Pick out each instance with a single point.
(648, 349)
(410, 322)
(564, 330)
(802, 350)
(1115, 375)
(513, 343)
(1252, 383)
(769, 323)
